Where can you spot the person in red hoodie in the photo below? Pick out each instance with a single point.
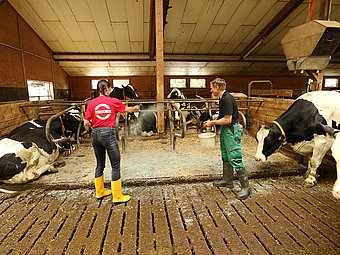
(100, 116)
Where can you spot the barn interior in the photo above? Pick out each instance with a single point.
(269, 52)
(53, 52)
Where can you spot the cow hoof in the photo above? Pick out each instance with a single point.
(336, 194)
(309, 184)
(59, 164)
(306, 174)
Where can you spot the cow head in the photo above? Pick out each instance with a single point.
(269, 141)
(176, 94)
(130, 92)
(125, 91)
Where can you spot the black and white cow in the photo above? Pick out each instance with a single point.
(25, 153)
(144, 123)
(311, 125)
(127, 91)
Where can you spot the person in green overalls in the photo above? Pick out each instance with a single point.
(230, 139)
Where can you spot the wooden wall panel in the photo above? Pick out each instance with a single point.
(11, 69)
(262, 113)
(146, 86)
(24, 55)
(9, 34)
(15, 113)
(61, 79)
(37, 68)
(31, 42)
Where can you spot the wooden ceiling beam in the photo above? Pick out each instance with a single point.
(279, 17)
(152, 32)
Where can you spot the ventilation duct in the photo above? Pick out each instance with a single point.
(311, 45)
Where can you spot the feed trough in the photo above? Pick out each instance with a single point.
(311, 45)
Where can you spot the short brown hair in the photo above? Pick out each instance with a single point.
(219, 82)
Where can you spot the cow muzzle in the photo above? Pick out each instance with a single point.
(260, 158)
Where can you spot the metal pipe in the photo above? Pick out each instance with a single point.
(48, 125)
(249, 95)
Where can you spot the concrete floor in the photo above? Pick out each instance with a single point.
(151, 161)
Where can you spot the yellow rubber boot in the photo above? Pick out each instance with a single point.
(99, 185)
(117, 195)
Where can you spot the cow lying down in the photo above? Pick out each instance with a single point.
(25, 153)
(311, 125)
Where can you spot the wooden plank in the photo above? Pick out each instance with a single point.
(192, 48)
(122, 37)
(135, 19)
(117, 10)
(101, 20)
(35, 22)
(227, 11)
(82, 46)
(174, 18)
(60, 34)
(66, 17)
(57, 47)
(136, 47)
(43, 9)
(80, 10)
(110, 47)
(184, 35)
(217, 48)
(237, 19)
(242, 32)
(261, 10)
(159, 65)
(91, 35)
(205, 19)
(192, 11)
(272, 92)
(210, 38)
(146, 37)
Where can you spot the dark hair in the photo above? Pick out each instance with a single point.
(101, 85)
(219, 82)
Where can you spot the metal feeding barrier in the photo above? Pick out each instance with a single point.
(57, 115)
(177, 126)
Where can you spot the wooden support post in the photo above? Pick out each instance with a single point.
(320, 81)
(159, 65)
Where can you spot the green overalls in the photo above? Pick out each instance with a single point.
(230, 142)
(230, 136)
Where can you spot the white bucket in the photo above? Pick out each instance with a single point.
(207, 139)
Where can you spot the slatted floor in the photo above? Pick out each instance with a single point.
(280, 217)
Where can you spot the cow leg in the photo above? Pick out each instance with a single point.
(39, 163)
(336, 155)
(322, 146)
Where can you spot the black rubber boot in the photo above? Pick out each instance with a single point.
(245, 189)
(227, 179)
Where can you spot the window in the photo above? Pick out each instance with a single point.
(331, 83)
(95, 82)
(197, 83)
(120, 83)
(177, 83)
(40, 90)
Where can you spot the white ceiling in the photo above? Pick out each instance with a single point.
(201, 37)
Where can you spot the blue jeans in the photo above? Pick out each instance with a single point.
(104, 140)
